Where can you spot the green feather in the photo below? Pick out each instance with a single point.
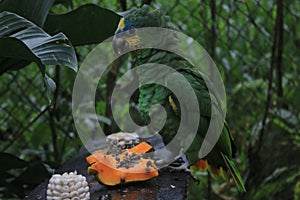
(146, 17)
(234, 173)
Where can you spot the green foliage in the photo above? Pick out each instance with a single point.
(297, 191)
(19, 176)
(35, 11)
(23, 40)
(9, 162)
(243, 43)
(39, 133)
(76, 24)
(199, 190)
(241, 48)
(65, 3)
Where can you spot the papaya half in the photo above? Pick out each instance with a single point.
(122, 167)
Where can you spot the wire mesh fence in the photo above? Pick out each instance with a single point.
(255, 45)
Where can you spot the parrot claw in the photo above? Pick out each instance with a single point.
(185, 169)
(194, 178)
(181, 164)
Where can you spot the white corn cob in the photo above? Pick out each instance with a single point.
(68, 186)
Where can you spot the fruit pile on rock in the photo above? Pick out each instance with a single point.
(123, 161)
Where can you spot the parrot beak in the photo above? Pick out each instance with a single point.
(123, 44)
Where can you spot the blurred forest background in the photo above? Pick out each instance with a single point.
(255, 45)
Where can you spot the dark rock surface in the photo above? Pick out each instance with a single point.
(168, 185)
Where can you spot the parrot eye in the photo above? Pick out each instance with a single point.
(131, 30)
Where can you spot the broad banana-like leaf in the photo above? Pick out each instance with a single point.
(21, 42)
(34, 10)
(87, 24)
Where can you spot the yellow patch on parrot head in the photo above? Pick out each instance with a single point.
(128, 40)
(121, 25)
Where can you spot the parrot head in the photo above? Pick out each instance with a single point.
(127, 34)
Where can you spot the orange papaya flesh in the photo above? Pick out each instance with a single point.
(128, 166)
(93, 158)
(110, 174)
(142, 147)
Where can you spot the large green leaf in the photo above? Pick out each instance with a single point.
(9, 161)
(21, 40)
(87, 24)
(33, 10)
(34, 174)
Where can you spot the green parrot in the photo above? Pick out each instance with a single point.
(219, 159)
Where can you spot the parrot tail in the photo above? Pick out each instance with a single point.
(234, 173)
